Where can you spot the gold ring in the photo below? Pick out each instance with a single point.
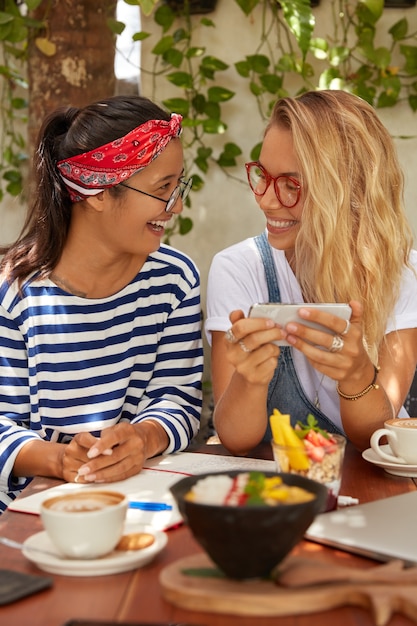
(77, 478)
(243, 347)
(337, 344)
(345, 332)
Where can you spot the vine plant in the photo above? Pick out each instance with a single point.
(15, 27)
(288, 60)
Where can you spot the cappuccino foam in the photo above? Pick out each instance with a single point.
(83, 503)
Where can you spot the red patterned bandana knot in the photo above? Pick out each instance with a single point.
(90, 173)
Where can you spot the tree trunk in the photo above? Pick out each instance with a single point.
(77, 64)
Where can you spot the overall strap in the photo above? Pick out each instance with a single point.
(264, 248)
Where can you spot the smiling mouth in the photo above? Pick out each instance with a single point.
(159, 224)
(282, 223)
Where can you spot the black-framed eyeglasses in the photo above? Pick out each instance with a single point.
(287, 189)
(183, 189)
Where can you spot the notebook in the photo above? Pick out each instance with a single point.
(383, 530)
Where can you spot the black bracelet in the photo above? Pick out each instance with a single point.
(356, 396)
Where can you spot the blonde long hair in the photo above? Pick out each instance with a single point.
(354, 239)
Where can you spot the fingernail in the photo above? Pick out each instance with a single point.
(291, 328)
(108, 452)
(93, 452)
(90, 478)
(84, 470)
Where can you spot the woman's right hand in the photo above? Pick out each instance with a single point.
(250, 348)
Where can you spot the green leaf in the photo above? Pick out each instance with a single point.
(177, 105)
(399, 30)
(228, 156)
(163, 45)
(374, 8)
(247, 6)
(212, 110)
(219, 94)
(412, 100)
(300, 20)
(198, 182)
(185, 224)
(243, 68)
(194, 52)
(255, 152)
(319, 47)
(214, 64)
(173, 57)
(14, 188)
(199, 103)
(205, 21)
(338, 54)
(115, 26)
(386, 99)
(164, 17)
(214, 127)
(147, 6)
(5, 18)
(19, 103)
(181, 79)
(258, 63)
(271, 82)
(410, 54)
(140, 36)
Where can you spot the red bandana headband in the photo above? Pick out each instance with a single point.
(90, 173)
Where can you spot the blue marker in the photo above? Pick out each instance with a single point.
(150, 506)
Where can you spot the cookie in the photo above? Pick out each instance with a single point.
(135, 541)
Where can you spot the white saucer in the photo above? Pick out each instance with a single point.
(397, 469)
(113, 563)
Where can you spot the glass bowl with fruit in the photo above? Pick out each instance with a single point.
(309, 451)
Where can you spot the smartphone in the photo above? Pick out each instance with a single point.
(282, 314)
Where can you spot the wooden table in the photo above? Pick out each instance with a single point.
(136, 596)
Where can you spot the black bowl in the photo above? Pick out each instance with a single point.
(249, 541)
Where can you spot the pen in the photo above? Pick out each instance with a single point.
(149, 506)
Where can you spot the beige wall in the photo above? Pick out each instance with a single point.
(225, 212)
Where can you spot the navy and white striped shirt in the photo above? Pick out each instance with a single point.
(70, 364)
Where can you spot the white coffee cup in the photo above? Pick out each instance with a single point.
(85, 524)
(402, 438)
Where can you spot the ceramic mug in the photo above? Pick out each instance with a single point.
(402, 438)
(85, 524)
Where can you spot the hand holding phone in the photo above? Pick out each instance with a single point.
(282, 314)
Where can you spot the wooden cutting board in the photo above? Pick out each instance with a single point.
(265, 598)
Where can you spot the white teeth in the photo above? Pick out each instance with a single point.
(281, 224)
(159, 223)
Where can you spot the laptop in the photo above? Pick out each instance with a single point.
(383, 530)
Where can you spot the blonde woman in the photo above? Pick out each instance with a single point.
(330, 186)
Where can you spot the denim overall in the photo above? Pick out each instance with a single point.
(285, 392)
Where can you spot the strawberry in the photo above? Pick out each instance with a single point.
(315, 453)
(316, 438)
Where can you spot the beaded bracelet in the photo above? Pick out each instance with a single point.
(356, 396)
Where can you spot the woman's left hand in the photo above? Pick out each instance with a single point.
(344, 355)
(121, 451)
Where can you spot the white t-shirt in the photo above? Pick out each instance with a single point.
(237, 280)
